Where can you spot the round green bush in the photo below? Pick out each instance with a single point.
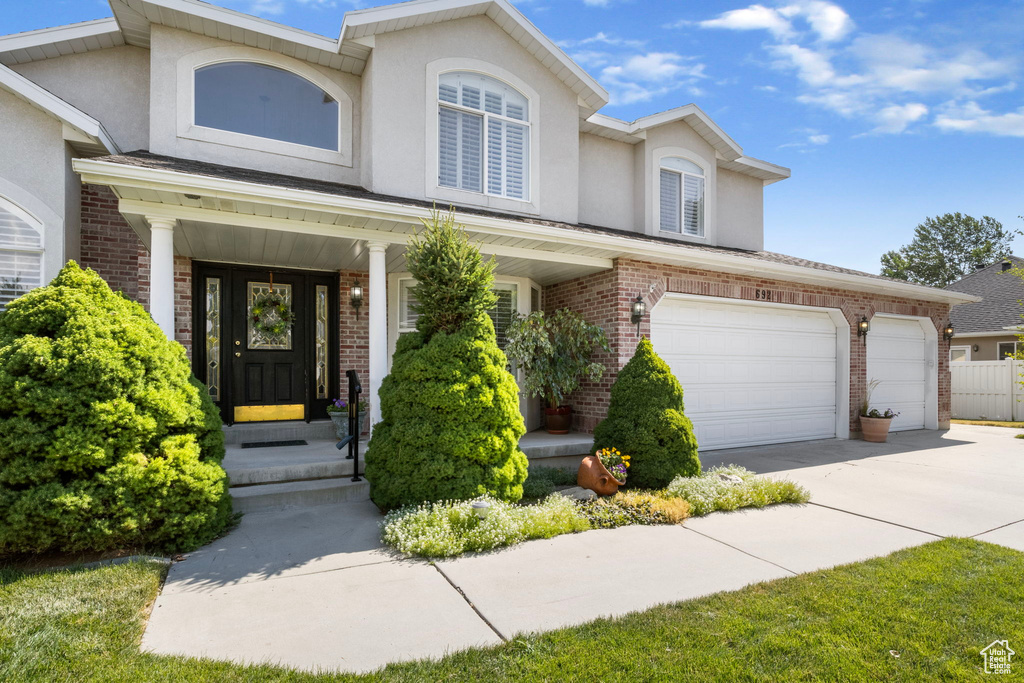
(450, 421)
(646, 421)
(108, 441)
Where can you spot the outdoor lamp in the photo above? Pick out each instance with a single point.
(356, 296)
(637, 309)
(481, 508)
(947, 333)
(863, 326)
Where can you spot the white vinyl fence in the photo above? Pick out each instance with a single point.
(987, 390)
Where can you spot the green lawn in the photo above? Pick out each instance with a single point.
(919, 614)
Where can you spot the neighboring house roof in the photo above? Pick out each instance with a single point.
(85, 133)
(1000, 307)
(644, 244)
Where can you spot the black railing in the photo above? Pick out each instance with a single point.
(352, 440)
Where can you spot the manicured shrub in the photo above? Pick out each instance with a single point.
(451, 528)
(733, 487)
(450, 424)
(108, 441)
(646, 421)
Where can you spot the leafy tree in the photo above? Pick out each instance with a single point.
(450, 424)
(946, 248)
(646, 421)
(107, 440)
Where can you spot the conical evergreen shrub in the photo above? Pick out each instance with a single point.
(450, 424)
(106, 439)
(646, 421)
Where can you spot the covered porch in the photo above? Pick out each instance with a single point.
(217, 235)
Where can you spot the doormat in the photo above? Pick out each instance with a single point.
(274, 444)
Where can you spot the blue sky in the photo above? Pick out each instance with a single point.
(887, 112)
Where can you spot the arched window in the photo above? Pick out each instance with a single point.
(21, 252)
(267, 102)
(682, 197)
(484, 136)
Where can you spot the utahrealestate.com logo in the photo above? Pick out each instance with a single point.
(997, 657)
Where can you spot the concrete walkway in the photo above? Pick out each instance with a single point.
(314, 589)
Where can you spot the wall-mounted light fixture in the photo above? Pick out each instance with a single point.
(356, 296)
(947, 332)
(976, 348)
(863, 327)
(637, 310)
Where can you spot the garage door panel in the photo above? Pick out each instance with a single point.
(750, 373)
(896, 357)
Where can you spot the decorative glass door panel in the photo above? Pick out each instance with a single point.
(269, 318)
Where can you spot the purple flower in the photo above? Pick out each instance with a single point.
(340, 403)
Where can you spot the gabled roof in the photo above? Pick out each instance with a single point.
(730, 154)
(1001, 293)
(85, 133)
(47, 43)
(362, 24)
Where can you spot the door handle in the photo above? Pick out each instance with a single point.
(238, 354)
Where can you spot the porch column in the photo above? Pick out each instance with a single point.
(161, 273)
(378, 324)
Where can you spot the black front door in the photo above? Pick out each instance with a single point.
(271, 341)
(270, 354)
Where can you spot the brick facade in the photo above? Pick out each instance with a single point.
(604, 298)
(112, 249)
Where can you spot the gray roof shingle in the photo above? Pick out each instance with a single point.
(144, 159)
(1001, 305)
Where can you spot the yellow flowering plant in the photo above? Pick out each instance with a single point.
(615, 462)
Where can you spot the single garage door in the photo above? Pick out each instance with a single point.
(751, 374)
(896, 356)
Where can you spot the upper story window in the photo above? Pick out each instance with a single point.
(484, 136)
(682, 197)
(21, 253)
(267, 102)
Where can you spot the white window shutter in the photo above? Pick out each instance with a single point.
(669, 201)
(471, 131)
(517, 153)
(448, 148)
(693, 206)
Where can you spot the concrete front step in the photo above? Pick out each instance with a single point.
(266, 497)
(287, 430)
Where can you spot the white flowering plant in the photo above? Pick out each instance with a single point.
(731, 487)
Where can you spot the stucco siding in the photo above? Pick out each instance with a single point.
(606, 183)
(740, 211)
(403, 102)
(111, 85)
(168, 109)
(32, 171)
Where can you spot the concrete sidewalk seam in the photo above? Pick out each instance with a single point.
(470, 603)
(876, 519)
(741, 550)
(1001, 526)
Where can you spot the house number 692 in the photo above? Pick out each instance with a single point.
(764, 294)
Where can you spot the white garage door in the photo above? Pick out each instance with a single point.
(751, 374)
(896, 356)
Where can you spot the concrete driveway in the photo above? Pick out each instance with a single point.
(314, 589)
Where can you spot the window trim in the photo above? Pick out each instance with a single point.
(187, 128)
(432, 187)
(8, 204)
(709, 234)
(967, 349)
(999, 352)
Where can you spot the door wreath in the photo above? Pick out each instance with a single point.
(270, 314)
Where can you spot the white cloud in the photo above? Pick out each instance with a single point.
(889, 81)
(755, 17)
(596, 3)
(971, 118)
(896, 118)
(820, 139)
(813, 138)
(642, 77)
(766, 88)
(602, 38)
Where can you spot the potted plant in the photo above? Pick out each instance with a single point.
(874, 423)
(554, 352)
(604, 471)
(337, 410)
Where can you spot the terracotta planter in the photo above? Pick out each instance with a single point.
(558, 420)
(594, 476)
(875, 429)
